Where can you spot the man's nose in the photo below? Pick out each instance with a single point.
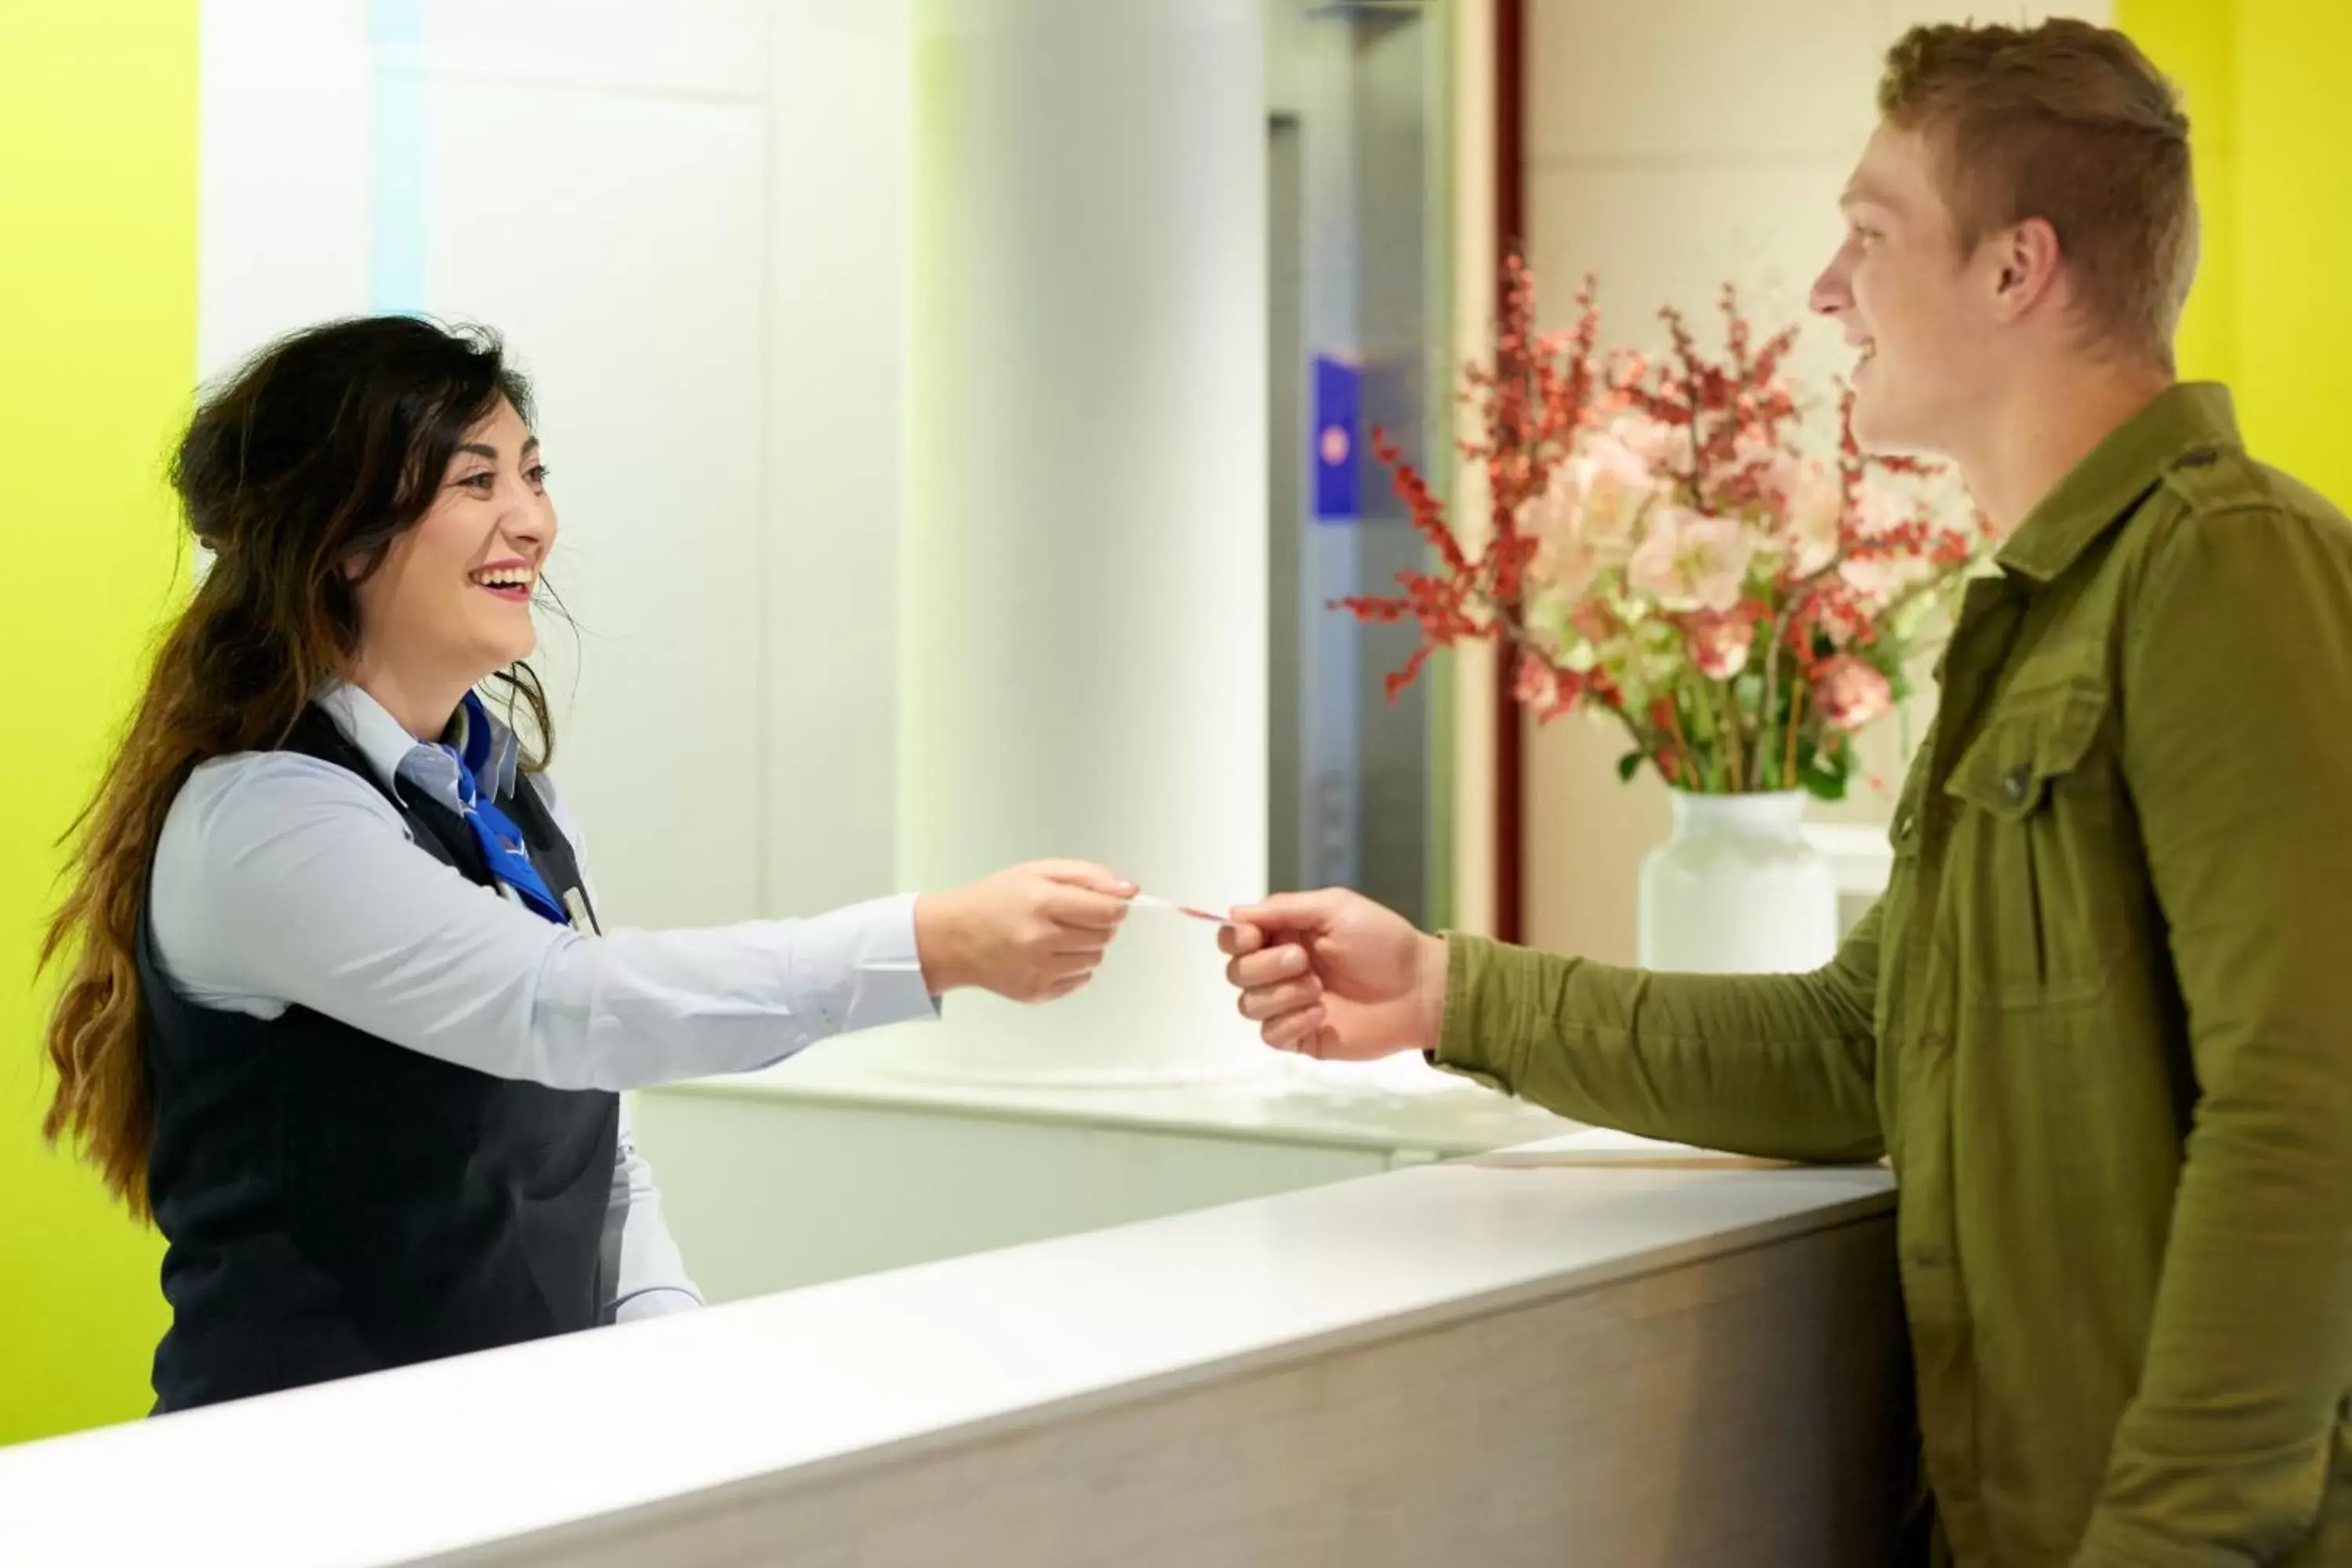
(1830, 293)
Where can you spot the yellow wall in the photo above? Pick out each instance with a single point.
(2272, 125)
(98, 278)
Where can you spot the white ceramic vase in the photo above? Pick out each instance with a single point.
(1737, 890)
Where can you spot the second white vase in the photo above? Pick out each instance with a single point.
(1735, 889)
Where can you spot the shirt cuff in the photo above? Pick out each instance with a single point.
(658, 1301)
(857, 968)
(1474, 1040)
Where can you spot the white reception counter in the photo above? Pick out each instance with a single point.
(1586, 1350)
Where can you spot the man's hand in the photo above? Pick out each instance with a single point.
(1333, 975)
(1033, 932)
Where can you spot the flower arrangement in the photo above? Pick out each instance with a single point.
(1665, 552)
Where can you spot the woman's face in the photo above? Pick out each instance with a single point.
(451, 603)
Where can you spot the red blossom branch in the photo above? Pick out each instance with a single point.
(1535, 402)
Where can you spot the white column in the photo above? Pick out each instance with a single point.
(1084, 568)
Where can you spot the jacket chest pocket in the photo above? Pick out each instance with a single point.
(2032, 873)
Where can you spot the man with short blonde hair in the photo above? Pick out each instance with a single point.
(2070, 123)
(2101, 1021)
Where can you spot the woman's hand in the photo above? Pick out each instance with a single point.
(1033, 932)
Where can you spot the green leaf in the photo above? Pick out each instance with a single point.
(1627, 765)
(1822, 769)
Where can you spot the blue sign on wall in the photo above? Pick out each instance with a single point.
(1337, 437)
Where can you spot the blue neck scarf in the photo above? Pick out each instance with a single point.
(495, 832)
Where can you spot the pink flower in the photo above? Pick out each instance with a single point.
(1852, 693)
(1689, 560)
(1562, 566)
(1880, 510)
(1543, 689)
(1874, 580)
(1612, 483)
(1565, 561)
(1594, 624)
(1649, 441)
(1587, 516)
(1816, 511)
(1719, 644)
(1752, 449)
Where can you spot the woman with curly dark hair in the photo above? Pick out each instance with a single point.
(339, 1017)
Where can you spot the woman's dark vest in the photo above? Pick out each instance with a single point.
(334, 1203)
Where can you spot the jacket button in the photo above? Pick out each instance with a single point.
(2013, 788)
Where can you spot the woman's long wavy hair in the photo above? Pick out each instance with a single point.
(298, 474)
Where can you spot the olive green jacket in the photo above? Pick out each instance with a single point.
(2100, 1023)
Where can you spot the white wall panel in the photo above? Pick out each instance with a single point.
(599, 180)
(837, 346)
(619, 243)
(717, 46)
(282, 214)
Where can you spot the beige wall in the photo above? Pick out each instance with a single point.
(1672, 145)
(1472, 670)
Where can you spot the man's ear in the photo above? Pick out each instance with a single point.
(2030, 267)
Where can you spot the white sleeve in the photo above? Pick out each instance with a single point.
(283, 880)
(649, 1277)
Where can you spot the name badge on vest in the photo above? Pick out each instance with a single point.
(583, 919)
